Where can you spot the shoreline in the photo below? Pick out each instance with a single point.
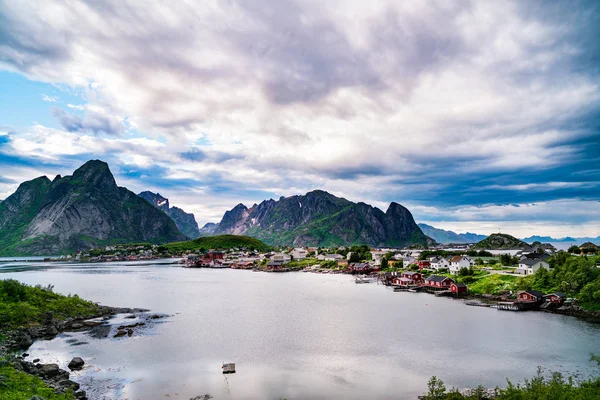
(592, 316)
(14, 348)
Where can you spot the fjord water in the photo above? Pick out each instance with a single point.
(295, 336)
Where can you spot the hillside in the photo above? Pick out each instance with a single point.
(447, 237)
(219, 242)
(186, 223)
(78, 212)
(319, 218)
(501, 241)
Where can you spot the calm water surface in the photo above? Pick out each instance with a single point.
(296, 336)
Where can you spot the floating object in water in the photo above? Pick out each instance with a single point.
(229, 368)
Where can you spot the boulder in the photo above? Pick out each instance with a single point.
(76, 364)
(23, 340)
(81, 395)
(68, 384)
(120, 333)
(49, 370)
(37, 360)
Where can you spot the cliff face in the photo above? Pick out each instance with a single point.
(78, 212)
(185, 222)
(320, 219)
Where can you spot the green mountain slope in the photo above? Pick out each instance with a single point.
(501, 241)
(321, 219)
(78, 212)
(219, 242)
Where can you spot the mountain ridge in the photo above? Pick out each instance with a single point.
(447, 236)
(185, 222)
(319, 218)
(78, 212)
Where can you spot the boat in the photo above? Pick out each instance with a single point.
(362, 280)
(228, 368)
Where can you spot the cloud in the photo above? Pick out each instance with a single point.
(93, 121)
(432, 104)
(50, 99)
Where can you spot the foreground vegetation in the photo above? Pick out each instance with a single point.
(540, 387)
(17, 385)
(22, 305)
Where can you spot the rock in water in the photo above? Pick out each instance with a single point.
(76, 364)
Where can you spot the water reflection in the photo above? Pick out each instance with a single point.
(297, 335)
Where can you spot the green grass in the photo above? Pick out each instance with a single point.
(21, 386)
(493, 284)
(23, 305)
(217, 242)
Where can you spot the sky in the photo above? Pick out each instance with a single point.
(478, 116)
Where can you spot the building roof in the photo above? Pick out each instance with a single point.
(531, 261)
(437, 278)
(456, 258)
(559, 294)
(459, 284)
(360, 265)
(411, 273)
(535, 293)
(333, 256)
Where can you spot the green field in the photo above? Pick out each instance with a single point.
(222, 242)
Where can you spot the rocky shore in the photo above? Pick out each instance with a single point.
(97, 325)
(570, 310)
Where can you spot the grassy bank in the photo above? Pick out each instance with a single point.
(17, 385)
(22, 305)
(553, 387)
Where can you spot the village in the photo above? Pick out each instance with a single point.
(454, 271)
(408, 270)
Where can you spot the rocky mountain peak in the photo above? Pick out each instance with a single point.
(95, 173)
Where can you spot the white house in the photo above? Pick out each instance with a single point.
(299, 253)
(458, 262)
(529, 266)
(439, 263)
(333, 257)
(281, 258)
(407, 261)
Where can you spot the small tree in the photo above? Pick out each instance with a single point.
(437, 389)
(384, 263)
(574, 250)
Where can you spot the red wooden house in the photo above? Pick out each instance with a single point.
(438, 282)
(530, 296)
(402, 281)
(556, 297)
(459, 288)
(424, 264)
(416, 277)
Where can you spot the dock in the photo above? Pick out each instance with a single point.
(516, 305)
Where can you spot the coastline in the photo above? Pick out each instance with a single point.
(14, 347)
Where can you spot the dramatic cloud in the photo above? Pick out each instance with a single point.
(443, 106)
(93, 121)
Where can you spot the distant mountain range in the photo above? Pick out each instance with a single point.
(319, 218)
(446, 237)
(77, 212)
(185, 222)
(532, 239)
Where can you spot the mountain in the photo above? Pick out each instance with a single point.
(221, 242)
(501, 241)
(185, 222)
(447, 237)
(322, 219)
(82, 211)
(208, 229)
